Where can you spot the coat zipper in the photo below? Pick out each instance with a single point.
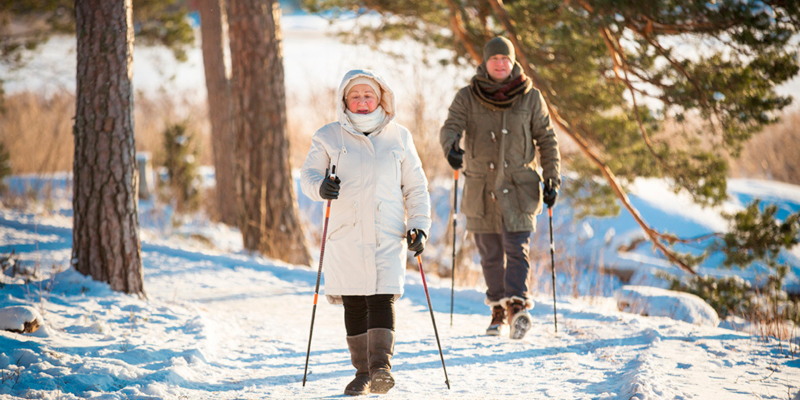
(378, 226)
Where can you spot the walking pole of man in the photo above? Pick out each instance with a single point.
(319, 272)
(428, 297)
(553, 265)
(455, 222)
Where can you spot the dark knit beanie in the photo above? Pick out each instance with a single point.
(499, 45)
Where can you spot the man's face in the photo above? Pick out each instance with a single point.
(499, 67)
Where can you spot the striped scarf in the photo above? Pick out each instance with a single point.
(498, 96)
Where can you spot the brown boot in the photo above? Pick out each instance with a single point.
(359, 356)
(381, 349)
(498, 321)
(518, 318)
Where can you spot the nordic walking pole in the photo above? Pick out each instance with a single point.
(455, 219)
(553, 265)
(435, 331)
(319, 272)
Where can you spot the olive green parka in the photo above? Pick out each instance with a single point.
(500, 165)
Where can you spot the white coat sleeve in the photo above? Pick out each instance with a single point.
(313, 171)
(415, 189)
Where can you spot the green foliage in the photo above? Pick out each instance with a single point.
(708, 69)
(180, 160)
(589, 196)
(727, 296)
(163, 22)
(757, 235)
(733, 296)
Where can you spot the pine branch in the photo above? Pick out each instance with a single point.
(700, 92)
(457, 25)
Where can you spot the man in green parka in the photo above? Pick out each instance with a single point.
(503, 121)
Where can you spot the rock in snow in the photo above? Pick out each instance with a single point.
(20, 319)
(655, 302)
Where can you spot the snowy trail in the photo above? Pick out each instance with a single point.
(231, 326)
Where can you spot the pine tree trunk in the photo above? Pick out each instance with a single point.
(105, 238)
(268, 213)
(212, 28)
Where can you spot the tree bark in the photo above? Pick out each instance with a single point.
(105, 239)
(268, 213)
(213, 31)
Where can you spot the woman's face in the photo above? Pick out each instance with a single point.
(361, 99)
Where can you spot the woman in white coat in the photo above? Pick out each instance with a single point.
(380, 201)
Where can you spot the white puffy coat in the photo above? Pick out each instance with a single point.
(382, 181)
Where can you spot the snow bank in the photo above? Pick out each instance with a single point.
(20, 319)
(655, 302)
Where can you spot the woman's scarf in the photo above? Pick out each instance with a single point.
(366, 123)
(499, 96)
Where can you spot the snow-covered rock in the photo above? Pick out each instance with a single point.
(20, 319)
(656, 302)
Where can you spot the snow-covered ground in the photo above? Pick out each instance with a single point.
(221, 324)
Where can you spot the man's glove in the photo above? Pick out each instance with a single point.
(416, 244)
(456, 157)
(550, 193)
(329, 189)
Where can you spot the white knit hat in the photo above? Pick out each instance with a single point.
(367, 81)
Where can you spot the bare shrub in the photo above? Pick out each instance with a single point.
(773, 154)
(37, 129)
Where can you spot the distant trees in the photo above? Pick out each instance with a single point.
(213, 32)
(105, 235)
(25, 24)
(267, 205)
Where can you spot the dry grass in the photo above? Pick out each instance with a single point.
(153, 113)
(773, 154)
(37, 130)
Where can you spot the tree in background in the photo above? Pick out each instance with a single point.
(105, 238)
(268, 213)
(615, 74)
(180, 160)
(213, 30)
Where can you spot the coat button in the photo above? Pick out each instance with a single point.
(505, 131)
(491, 166)
(505, 190)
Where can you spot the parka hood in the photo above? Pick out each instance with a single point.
(387, 99)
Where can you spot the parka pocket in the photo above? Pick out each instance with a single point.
(529, 195)
(344, 224)
(472, 204)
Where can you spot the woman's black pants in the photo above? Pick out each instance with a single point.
(362, 313)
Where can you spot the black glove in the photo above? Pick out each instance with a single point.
(455, 157)
(329, 189)
(416, 244)
(550, 193)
